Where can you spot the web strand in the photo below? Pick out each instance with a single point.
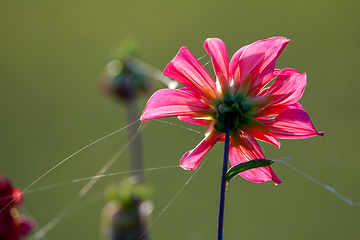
(92, 180)
(172, 200)
(57, 165)
(192, 130)
(327, 187)
(50, 225)
(95, 176)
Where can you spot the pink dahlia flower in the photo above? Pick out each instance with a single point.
(257, 100)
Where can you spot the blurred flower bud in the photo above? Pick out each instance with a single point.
(13, 225)
(124, 216)
(125, 75)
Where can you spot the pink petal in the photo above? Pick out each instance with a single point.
(234, 70)
(277, 109)
(172, 102)
(293, 123)
(216, 48)
(187, 69)
(288, 87)
(250, 150)
(258, 56)
(192, 120)
(266, 137)
(191, 159)
(264, 78)
(250, 147)
(276, 72)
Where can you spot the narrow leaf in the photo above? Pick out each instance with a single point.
(241, 167)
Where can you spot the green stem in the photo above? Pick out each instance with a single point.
(223, 184)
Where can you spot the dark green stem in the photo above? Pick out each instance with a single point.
(223, 184)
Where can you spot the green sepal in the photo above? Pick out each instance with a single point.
(247, 106)
(225, 109)
(241, 167)
(221, 127)
(236, 109)
(228, 99)
(239, 98)
(245, 121)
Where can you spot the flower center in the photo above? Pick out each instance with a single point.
(233, 111)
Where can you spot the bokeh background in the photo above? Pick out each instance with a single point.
(53, 52)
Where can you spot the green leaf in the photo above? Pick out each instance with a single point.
(241, 167)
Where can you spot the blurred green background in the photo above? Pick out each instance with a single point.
(53, 52)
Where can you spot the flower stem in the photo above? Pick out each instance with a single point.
(223, 184)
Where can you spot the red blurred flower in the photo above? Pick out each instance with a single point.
(13, 226)
(258, 101)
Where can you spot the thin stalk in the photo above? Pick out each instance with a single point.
(223, 184)
(136, 157)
